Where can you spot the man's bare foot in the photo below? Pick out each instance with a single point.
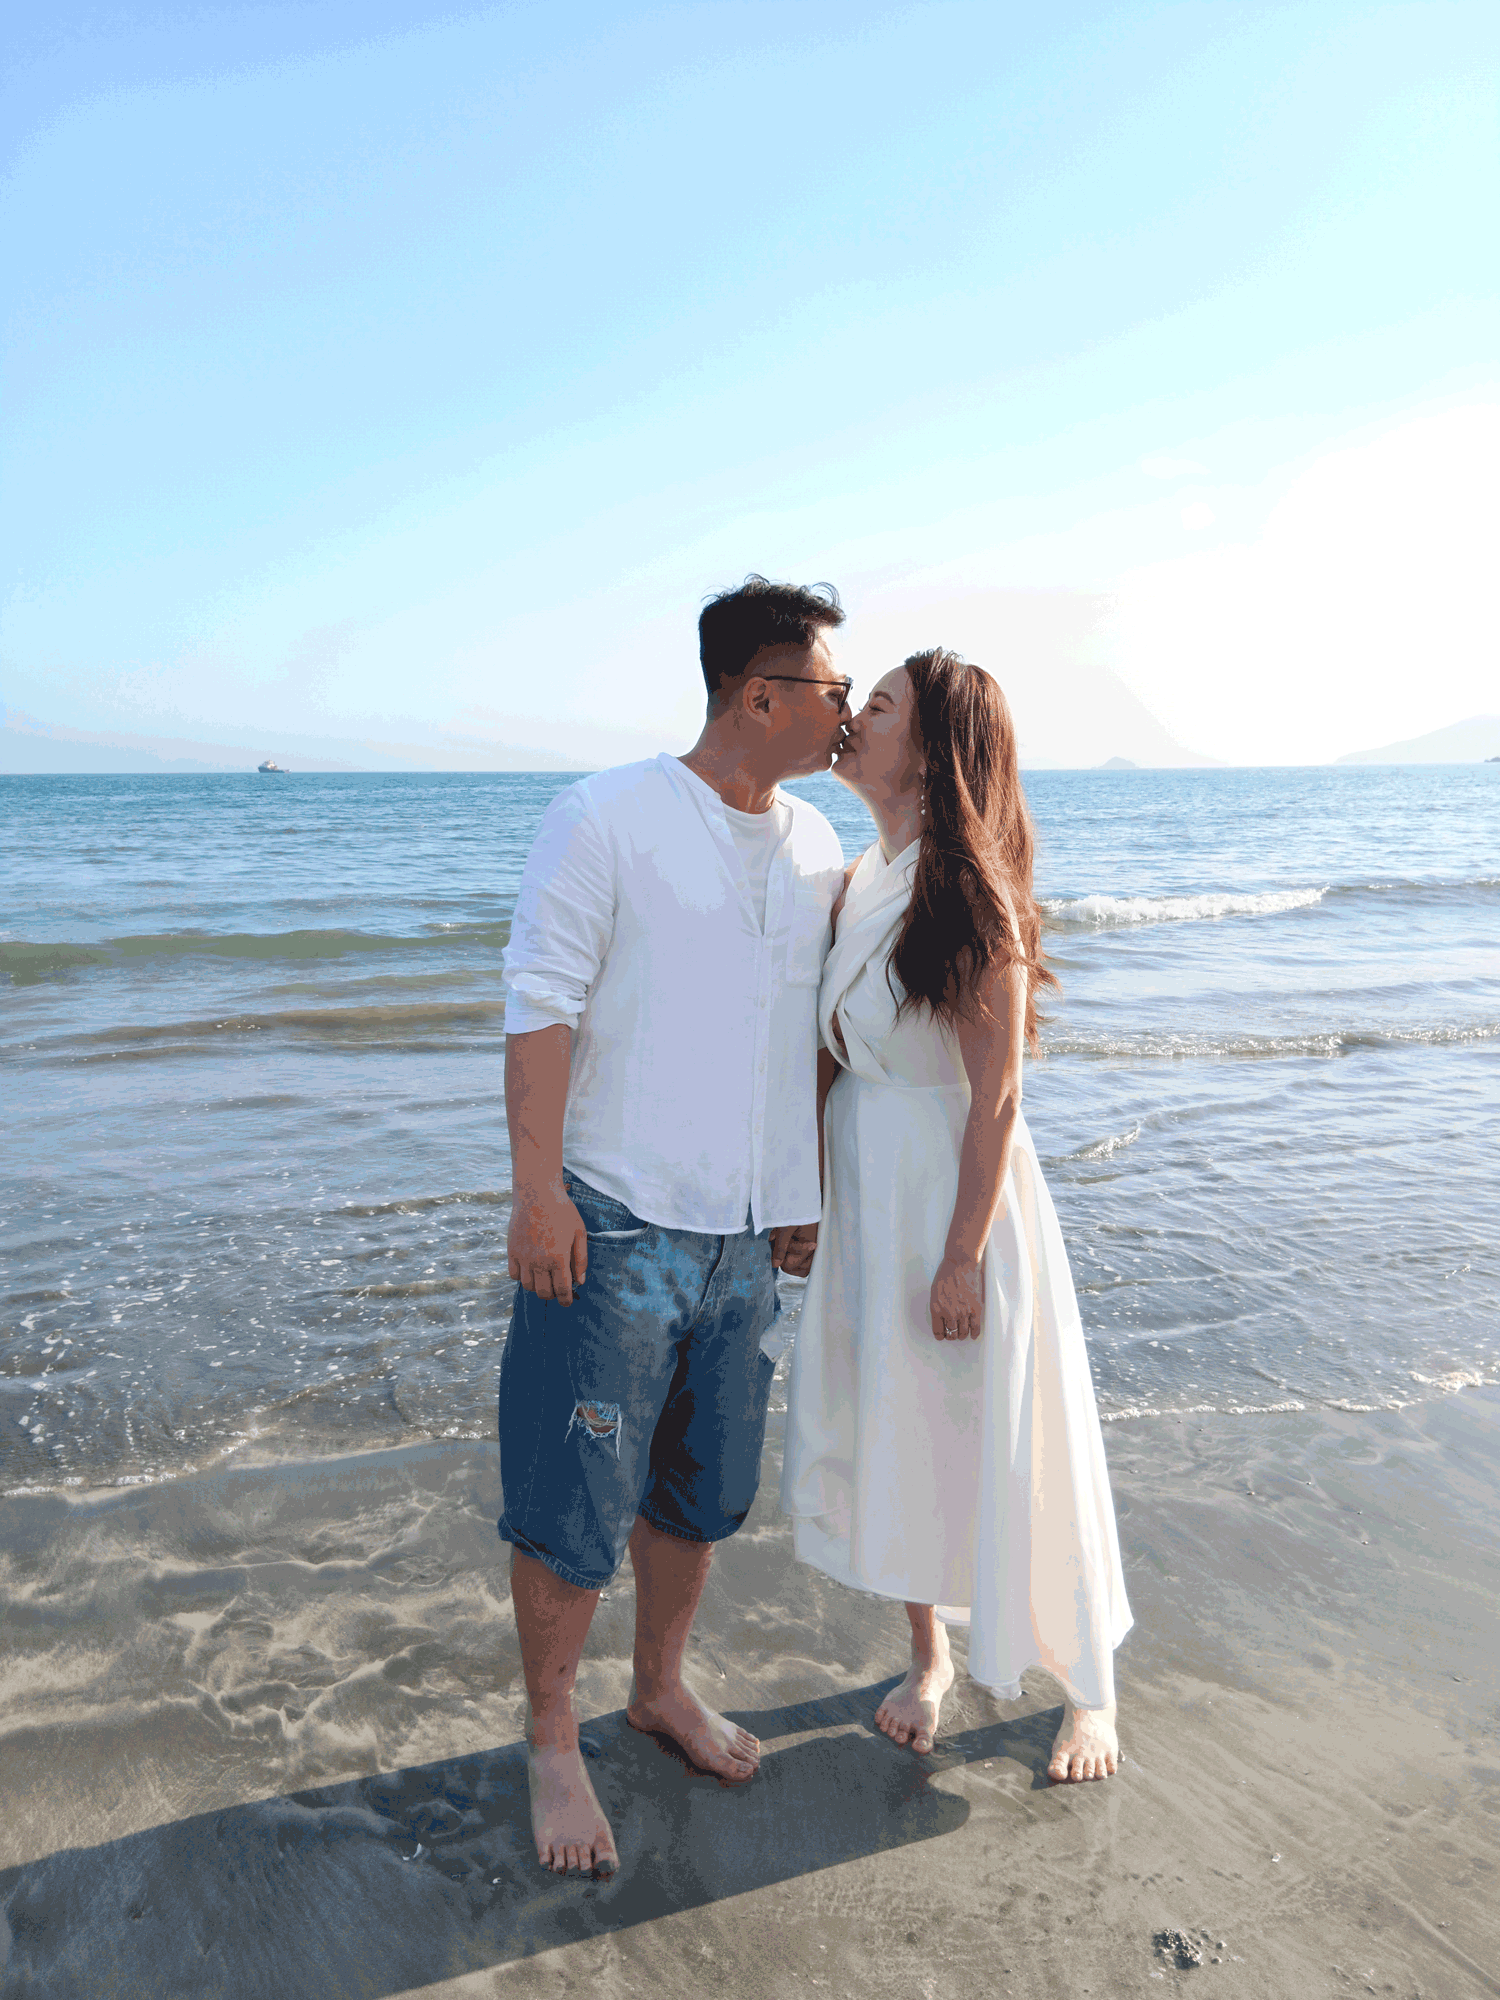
(1085, 1747)
(713, 1742)
(567, 1821)
(909, 1713)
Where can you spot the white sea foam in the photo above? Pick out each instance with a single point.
(1109, 912)
(1451, 1379)
(1103, 1148)
(1250, 1047)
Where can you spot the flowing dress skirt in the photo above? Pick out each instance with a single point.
(966, 1474)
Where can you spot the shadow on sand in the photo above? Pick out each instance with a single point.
(396, 1881)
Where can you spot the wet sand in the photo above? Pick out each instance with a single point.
(259, 1735)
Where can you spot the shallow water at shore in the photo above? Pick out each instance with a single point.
(255, 1191)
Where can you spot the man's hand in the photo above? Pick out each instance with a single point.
(548, 1246)
(792, 1248)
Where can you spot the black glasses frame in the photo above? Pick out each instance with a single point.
(844, 681)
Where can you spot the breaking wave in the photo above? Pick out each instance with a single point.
(1105, 912)
(1104, 1149)
(403, 1028)
(1146, 1047)
(1113, 912)
(26, 962)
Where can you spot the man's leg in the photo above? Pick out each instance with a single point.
(670, 1575)
(552, 1622)
(581, 1389)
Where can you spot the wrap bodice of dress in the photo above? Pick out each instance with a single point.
(874, 1040)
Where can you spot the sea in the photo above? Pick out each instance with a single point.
(255, 1182)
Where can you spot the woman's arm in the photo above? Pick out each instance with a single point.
(991, 1049)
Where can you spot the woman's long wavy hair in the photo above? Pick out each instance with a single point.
(978, 845)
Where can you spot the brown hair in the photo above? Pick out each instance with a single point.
(735, 625)
(972, 889)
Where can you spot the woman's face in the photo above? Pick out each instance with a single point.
(880, 756)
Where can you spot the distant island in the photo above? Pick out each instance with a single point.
(1119, 764)
(1475, 740)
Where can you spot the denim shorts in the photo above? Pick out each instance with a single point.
(646, 1396)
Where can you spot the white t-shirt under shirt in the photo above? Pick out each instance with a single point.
(757, 837)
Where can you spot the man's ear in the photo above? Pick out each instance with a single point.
(756, 698)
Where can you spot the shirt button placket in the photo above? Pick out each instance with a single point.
(762, 1042)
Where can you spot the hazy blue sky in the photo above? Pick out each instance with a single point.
(411, 373)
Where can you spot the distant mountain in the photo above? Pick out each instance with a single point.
(1470, 742)
(1119, 764)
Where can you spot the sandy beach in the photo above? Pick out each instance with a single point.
(261, 1735)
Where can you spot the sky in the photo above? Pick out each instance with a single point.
(393, 380)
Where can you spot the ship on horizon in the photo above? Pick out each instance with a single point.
(272, 765)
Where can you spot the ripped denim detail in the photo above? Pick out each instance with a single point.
(600, 1421)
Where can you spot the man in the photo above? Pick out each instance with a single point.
(661, 1087)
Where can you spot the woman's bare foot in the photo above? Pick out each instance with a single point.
(1085, 1747)
(713, 1742)
(567, 1821)
(909, 1713)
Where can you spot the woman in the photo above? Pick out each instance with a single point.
(943, 1446)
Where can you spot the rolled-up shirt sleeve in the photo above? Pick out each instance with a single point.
(564, 918)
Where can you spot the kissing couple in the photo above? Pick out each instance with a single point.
(727, 1055)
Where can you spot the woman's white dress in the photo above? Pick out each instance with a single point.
(962, 1473)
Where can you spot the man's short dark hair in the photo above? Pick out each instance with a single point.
(736, 624)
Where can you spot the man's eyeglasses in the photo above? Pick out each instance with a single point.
(845, 682)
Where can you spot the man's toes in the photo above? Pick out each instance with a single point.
(922, 1743)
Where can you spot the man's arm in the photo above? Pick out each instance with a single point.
(547, 1246)
(560, 931)
(792, 1248)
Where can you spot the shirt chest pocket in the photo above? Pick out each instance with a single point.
(806, 939)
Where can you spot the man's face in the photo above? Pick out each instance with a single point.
(803, 704)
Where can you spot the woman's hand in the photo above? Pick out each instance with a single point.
(957, 1300)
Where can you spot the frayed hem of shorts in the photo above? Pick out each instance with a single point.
(549, 1561)
(686, 1534)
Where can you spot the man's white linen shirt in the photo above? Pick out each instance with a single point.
(693, 1085)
